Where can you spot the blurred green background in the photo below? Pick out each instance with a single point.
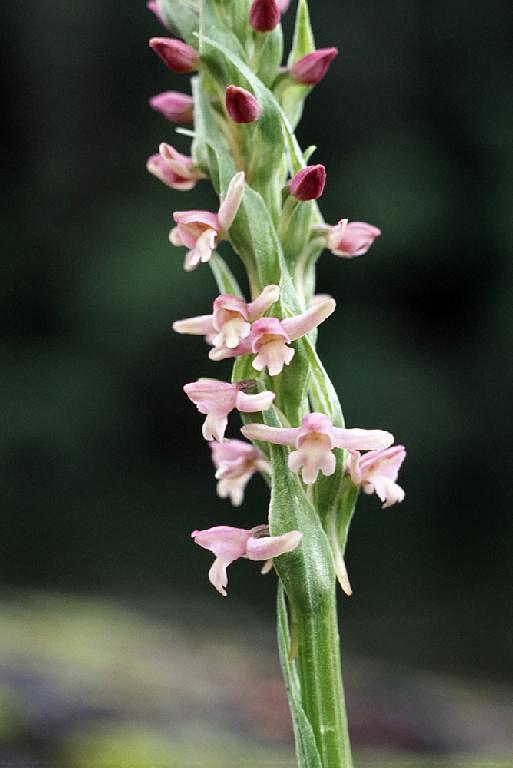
(104, 470)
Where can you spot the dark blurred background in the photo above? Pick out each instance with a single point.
(104, 470)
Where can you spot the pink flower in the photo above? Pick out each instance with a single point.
(175, 106)
(314, 441)
(377, 473)
(176, 55)
(236, 463)
(308, 183)
(153, 6)
(270, 337)
(241, 105)
(282, 5)
(229, 544)
(349, 239)
(311, 68)
(216, 399)
(173, 168)
(264, 15)
(199, 231)
(231, 318)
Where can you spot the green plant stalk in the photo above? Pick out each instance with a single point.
(320, 677)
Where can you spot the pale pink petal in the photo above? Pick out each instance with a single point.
(206, 219)
(233, 487)
(313, 456)
(269, 547)
(354, 467)
(362, 439)
(227, 544)
(318, 423)
(253, 403)
(273, 356)
(211, 395)
(214, 427)
(232, 332)
(276, 435)
(302, 324)
(217, 575)
(202, 250)
(244, 347)
(263, 302)
(196, 326)
(232, 201)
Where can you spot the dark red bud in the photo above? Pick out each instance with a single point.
(264, 15)
(241, 105)
(308, 183)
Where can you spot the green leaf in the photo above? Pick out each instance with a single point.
(183, 16)
(303, 41)
(212, 26)
(293, 94)
(223, 276)
(269, 55)
(307, 752)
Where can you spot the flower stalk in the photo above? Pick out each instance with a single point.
(244, 106)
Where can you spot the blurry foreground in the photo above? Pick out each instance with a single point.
(87, 682)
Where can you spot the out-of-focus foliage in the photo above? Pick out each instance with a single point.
(105, 472)
(87, 682)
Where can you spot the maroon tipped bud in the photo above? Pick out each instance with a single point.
(311, 68)
(264, 15)
(308, 183)
(176, 55)
(241, 105)
(175, 106)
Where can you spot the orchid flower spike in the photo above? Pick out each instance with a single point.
(229, 544)
(175, 106)
(216, 399)
(377, 471)
(314, 441)
(173, 168)
(199, 231)
(236, 463)
(351, 238)
(270, 337)
(231, 318)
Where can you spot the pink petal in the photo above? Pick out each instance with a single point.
(268, 547)
(254, 403)
(306, 322)
(196, 326)
(232, 201)
(263, 302)
(362, 439)
(275, 435)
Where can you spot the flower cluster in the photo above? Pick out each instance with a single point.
(264, 331)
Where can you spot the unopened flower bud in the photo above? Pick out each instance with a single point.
(241, 105)
(176, 55)
(311, 68)
(264, 15)
(308, 183)
(175, 106)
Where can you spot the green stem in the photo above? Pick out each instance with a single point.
(320, 676)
